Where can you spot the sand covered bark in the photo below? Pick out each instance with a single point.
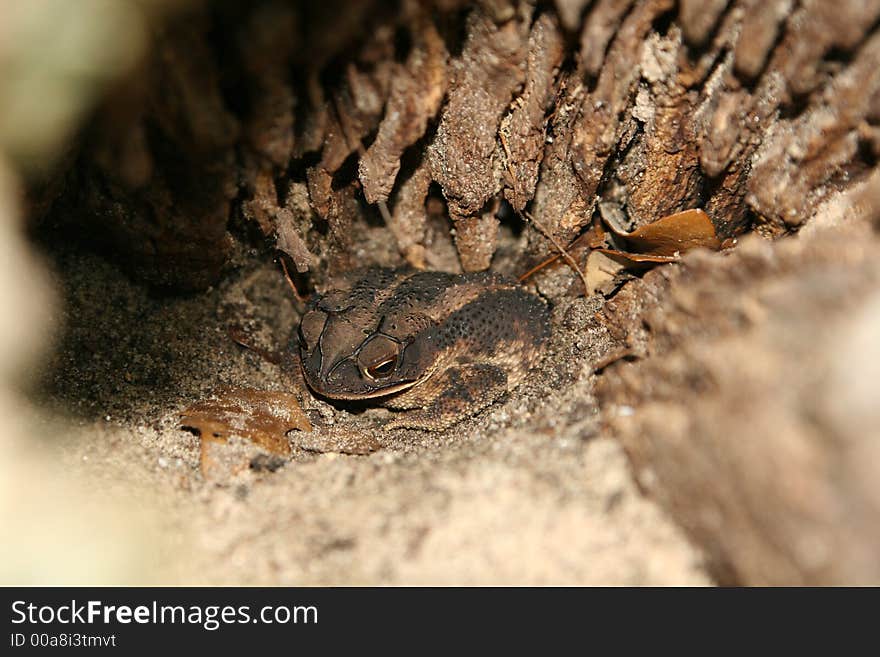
(751, 409)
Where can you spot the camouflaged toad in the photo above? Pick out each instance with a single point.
(439, 346)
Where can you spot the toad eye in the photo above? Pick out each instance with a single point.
(378, 358)
(383, 369)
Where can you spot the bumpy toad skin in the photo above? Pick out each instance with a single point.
(437, 345)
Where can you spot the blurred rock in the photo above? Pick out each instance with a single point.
(58, 525)
(752, 413)
(55, 58)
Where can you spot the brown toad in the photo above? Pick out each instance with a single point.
(440, 346)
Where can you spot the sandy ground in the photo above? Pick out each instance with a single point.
(527, 492)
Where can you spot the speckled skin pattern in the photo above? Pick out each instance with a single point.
(440, 346)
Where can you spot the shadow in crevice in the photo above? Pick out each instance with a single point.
(124, 351)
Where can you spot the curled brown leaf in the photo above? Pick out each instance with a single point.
(671, 235)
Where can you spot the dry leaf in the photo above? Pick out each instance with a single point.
(600, 269)
(630, 260)
(671, 235)
(259, 417)
(605, 273)
(659, 242)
